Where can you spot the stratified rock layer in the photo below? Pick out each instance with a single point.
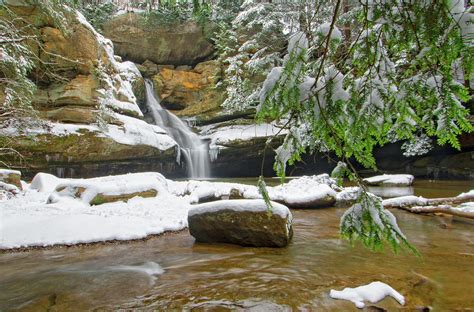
(139, 39)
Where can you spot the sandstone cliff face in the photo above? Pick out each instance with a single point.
(137, 40)
(190, 92)
(88, 117)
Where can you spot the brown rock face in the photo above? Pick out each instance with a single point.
(189, 92)
(225, 224)
(81, 83)
(137, 39)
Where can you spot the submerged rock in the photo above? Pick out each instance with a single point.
(241, 222)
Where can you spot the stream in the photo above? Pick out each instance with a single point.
(172, 272)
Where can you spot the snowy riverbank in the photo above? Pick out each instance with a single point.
(52, 211)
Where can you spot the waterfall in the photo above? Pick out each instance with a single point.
(194, 150)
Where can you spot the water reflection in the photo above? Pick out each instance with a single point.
(392, 191)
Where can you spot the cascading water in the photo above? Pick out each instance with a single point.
(194, 150)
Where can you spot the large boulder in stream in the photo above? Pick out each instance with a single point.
(241, 222)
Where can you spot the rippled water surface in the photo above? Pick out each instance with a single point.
(172, 272)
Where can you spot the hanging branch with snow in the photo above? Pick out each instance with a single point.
(392, 80)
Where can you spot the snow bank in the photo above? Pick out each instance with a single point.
(251, 205)
(27, 219)
(45, 182)
(9, 171)
(373, 292)
(109, 186)
(391, 179)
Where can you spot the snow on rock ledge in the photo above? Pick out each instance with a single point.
(12, 177)
(373, 292)
(110, 189)
(390, 179)
(241, 222)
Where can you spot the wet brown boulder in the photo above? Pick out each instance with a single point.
(241, 222)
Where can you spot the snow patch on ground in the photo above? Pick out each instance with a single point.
(373, 292)
(27, 219)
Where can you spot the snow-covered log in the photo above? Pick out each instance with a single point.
(445, 205)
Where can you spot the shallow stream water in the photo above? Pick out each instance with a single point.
(171, 272)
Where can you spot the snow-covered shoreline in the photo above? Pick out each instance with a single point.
(63, 212)
(59, 212)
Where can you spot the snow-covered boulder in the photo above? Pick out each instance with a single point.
(373, 292)
(390, 179)
(305, 192)
(45, 182)
(109, 189)
(11, 177)
(348, 196)
(242, 222)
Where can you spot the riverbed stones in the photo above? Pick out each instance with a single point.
(242, 222)
(12, 177)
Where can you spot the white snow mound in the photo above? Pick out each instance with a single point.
(252, 205)
(373, 292)
(391, 179)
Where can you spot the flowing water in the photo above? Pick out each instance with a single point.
(194, 150)
(173, 273)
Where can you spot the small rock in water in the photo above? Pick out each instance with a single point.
(241, 222)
